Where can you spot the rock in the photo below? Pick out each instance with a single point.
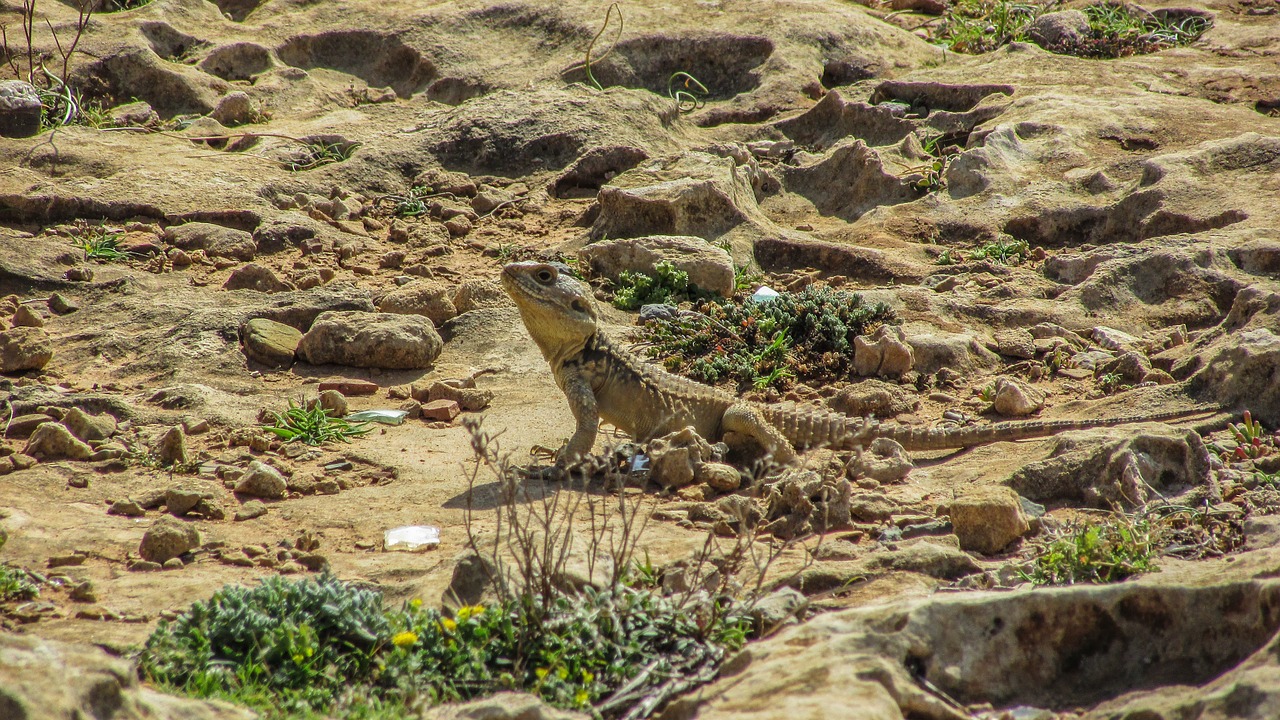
(709, 267)
(1240, 367)
(393, 342)
(1017, 343)
(134, 114)
(801, 502)
(168, 538)
(188, 496)
(468, 398)
(1016, 398)
(719, 476)
(250, 510)
(24, 348)
(501, 706)
(173, 564)
(1121, 466)
(1131, 367)
(428, 298)
(126, 508)
(262, 480)
(20, 109)
(52, 441)
(884, 460)
(23, 425)
(236, 108)
(458, 226)
(89, 428)
(987, 518)
(1059, 31)
(79, 274)
(214, 240)
(884, 352)
(932, 557)
(874, 397)
(269, 342)
(675, 457)
(781, 607)
(349, 386)
(24, 316)
(959, 352)
(477, 294)
(171, 448)
(441, 410)
(91, 684)
(334, 402)
(60, 305)
(253, 276)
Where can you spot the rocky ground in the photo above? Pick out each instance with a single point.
(319, 196)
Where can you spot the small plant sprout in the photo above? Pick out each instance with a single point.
(100, 243)
(988, 393)
(311, 424)
(1112, 383)
(1252, 441)
(319, 153)
(950, 257)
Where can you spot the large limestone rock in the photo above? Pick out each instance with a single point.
(24, 348)
(381, 340)
(215, 240)
(708, 266)
(42, 678)
(52, 441)
(269, 342)
(428, 298)
(988, 518)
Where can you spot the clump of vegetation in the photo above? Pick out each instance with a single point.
(1096, 552)
(760, 344)
(1251, 441)
(411, 204)
(318, 153)
(666, 285)
(1115, 29)
(16, 584)
(101, 243)
(311, 424)
(1112, 383)
(1002, 251)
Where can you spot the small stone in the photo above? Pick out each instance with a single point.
(262, 480)
(173, 564)
(171, 448)
(675, 457)
(253, 276)
(144, 566)
(195, 426)
(26, 317)
(126, 508)
(52, 441)
(1016, 398)
(20, 109)
(327, 487)
(24, 348)
(89, 428)
(988, 518)
(66, 560)
(168, 538)
(236, 108)
(884, 461)
(79, 274)
(182, 498)
(269, 342)
(83, 592)
(720, 476)
(441, 410)
(250, 510)
(458, 226)
(334, 402)
(236, 558)
(1016, 343)
(313, 561)
(23, 425)
(349, 386)
(60, 305)
(478, 294)
(470, 399)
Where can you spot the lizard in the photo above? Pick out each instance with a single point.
(601, 379)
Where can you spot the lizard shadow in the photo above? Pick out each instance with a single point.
(533, 489)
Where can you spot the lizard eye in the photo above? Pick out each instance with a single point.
(545, 276)
(578, 306)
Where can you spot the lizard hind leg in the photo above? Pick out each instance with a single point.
(748, 420)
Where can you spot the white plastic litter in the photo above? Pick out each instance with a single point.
(412, 538)
(386, 417)
(639, 462)
(764, 294)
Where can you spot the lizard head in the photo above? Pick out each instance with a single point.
(558, 310)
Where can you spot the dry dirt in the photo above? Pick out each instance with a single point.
(1148, 184)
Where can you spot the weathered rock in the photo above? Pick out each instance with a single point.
(1016, 398)
(1241, 370)
(959, 352)
(334, 402)
(168, 538)
(675, 457)
(91, 684)
(1106, 467)
(1061, 31)
(269, 342)
(187, 496)
(253, 276)
(428, 298)
(236, 108)
(874, 397)
(394, 342)
(89, 428)
(59, 304)
(709, 267)
(987, 518)
(24, 316)
(440, 410)
(126, 508)
(262, 480)
(470, 399)
(883, 460)
(802, 501)
(171, 448)
(53, 441)
(781, 607)
(250, 510)
(20, 109)
(24, 348)
(884, 352)
(23, 425)
(720, 476)
(1130, 367)
(501, 706)
(215, 240)
(477, 294)
(1016, 343)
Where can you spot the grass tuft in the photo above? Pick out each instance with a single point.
(311, 424)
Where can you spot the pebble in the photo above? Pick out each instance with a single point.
(250, 510)
(126, 508)
(262, 480)
(441, 410)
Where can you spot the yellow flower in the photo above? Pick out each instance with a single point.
(416, 603)
(469, 611)
(541, 673)
(581, 697)
(562, 672)
(448, 624)
(404, 639)
(588, 678)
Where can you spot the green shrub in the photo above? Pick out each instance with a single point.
(666, 285)
(1096, 552)
(323, 646)
(15, 584)
(806, 334)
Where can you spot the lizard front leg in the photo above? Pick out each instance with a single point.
(747, 420)
(582, 402)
